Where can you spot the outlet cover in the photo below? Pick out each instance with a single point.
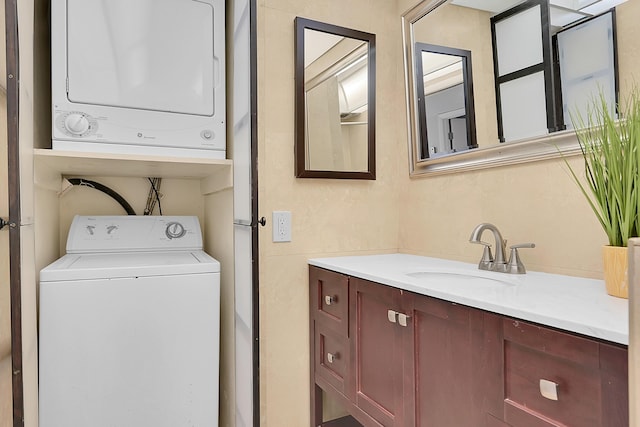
(281, 226)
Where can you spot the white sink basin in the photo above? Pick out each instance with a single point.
(478, 277)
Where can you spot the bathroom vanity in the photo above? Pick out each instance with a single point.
(402, 340)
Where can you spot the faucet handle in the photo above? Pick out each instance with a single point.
(487, 257)
(515, 266)
(523, 245)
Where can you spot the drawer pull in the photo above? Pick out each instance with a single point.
(391, 315)
(329, 299)
(549, 389)
(402, 319)
(331, 357)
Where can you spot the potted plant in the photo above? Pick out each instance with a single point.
(611, 154)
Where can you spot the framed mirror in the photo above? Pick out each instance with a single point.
(446, 113)
(334, 101)
(534, 62)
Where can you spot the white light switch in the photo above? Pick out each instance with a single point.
(281, 226)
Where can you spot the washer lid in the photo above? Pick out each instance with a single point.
(119, 265)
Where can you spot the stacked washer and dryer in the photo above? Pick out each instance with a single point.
(129, 317)
(129, 326)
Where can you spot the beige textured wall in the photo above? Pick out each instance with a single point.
(536, 202)
(628, 40)
(330, 217)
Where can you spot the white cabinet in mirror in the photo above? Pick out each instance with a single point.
(526, 82)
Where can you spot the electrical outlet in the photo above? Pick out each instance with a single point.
(281, 226)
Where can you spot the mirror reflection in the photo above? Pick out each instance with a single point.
(335, 85)
(535, 63)
(334, 102)
(445, 100)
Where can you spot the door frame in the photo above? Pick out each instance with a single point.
(13, 169)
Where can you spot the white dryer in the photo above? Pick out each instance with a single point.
(129, 326)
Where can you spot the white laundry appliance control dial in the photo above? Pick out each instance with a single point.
(175, 230)
(76, 123)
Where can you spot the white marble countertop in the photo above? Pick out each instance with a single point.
(573, 304)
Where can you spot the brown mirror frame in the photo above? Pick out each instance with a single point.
(301, 170)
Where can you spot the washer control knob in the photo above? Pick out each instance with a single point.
(76, 123)
(175, 230)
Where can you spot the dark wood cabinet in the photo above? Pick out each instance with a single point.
(445, 363)
(553, 378)
(398, 359)
(376, 351)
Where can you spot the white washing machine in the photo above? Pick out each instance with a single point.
(129, 326)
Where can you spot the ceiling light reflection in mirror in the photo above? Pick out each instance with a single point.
(563, 12)
(440, 71)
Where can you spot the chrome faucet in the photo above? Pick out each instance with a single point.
(488, 262)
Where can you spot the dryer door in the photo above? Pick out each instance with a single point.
(145, 54)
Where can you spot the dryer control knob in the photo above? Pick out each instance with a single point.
(175, 230)
(76, 123)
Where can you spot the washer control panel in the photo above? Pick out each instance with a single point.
(133, 233)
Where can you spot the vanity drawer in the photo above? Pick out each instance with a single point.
(330, 299)
(331, 356)
(550, 378)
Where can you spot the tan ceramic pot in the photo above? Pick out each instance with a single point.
(616, 263)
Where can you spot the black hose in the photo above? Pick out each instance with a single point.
(100, 187)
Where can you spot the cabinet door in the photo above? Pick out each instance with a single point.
(445, 359)
(376, 351)
(553, 378)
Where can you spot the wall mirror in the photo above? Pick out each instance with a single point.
(534, 62)
(334, 101)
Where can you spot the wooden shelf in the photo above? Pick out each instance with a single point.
(78, 163)
(347, 421)
(215, 175)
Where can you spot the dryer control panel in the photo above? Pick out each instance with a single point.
(133, 234)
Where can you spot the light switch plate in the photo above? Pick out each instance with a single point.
(281, 226)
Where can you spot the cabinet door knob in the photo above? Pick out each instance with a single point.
(391, 315)
(329, 299)
(549, 389)
(402, 319)
(331, 357)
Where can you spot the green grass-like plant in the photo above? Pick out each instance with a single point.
(611, 162)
